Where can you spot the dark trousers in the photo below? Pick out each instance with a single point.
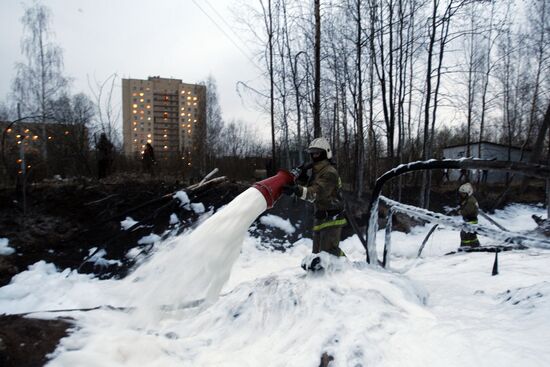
(468, 239)
(328, 240)
(102, 168)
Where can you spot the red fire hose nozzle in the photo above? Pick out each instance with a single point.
(272, 187)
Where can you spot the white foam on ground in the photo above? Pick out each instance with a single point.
(278, 222)
(127, 223)
(435, 311)
(5, 250)
(196, 265)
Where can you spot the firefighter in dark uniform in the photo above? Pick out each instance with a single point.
(324, 190)
(469, 209)
(104, 156)
(148, 160)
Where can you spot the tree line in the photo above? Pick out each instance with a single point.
(393, 81)
(386, 82)
(41, 92)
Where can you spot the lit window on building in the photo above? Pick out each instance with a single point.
(148, 106)
(194, 98)
(134, 105)
(134, 111)
(188, 97)
(165, 115)
(166, 147)
(149, 141)
(141, 94)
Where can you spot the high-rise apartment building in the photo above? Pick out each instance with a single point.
(167, 113)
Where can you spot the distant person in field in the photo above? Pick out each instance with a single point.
(445, 177)
(104, 156)
(469, 209)
(148, 160)
(324, 189)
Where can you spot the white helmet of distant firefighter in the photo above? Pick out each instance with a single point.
(319, 145)
(466, 189)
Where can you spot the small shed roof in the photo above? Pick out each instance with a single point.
(486, 142)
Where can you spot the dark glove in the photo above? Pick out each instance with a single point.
(291, 190)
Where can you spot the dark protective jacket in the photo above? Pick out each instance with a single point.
(104, 148)
(324, 191)
(469, 209)
(148, 155)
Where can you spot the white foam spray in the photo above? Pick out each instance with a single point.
(195, 266)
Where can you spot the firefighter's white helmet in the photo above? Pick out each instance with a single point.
(322, 144)
(466, 189)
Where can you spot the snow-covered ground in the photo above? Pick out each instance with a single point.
(435, 311)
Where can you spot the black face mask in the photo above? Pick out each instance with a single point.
(319, 156)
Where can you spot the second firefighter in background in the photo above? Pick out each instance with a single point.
(469, 209)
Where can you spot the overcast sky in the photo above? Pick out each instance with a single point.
(141, 38)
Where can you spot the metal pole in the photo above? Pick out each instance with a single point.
(426, 240)
(387, 239)
(495, 264)
(491, 220)
(23, 165)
